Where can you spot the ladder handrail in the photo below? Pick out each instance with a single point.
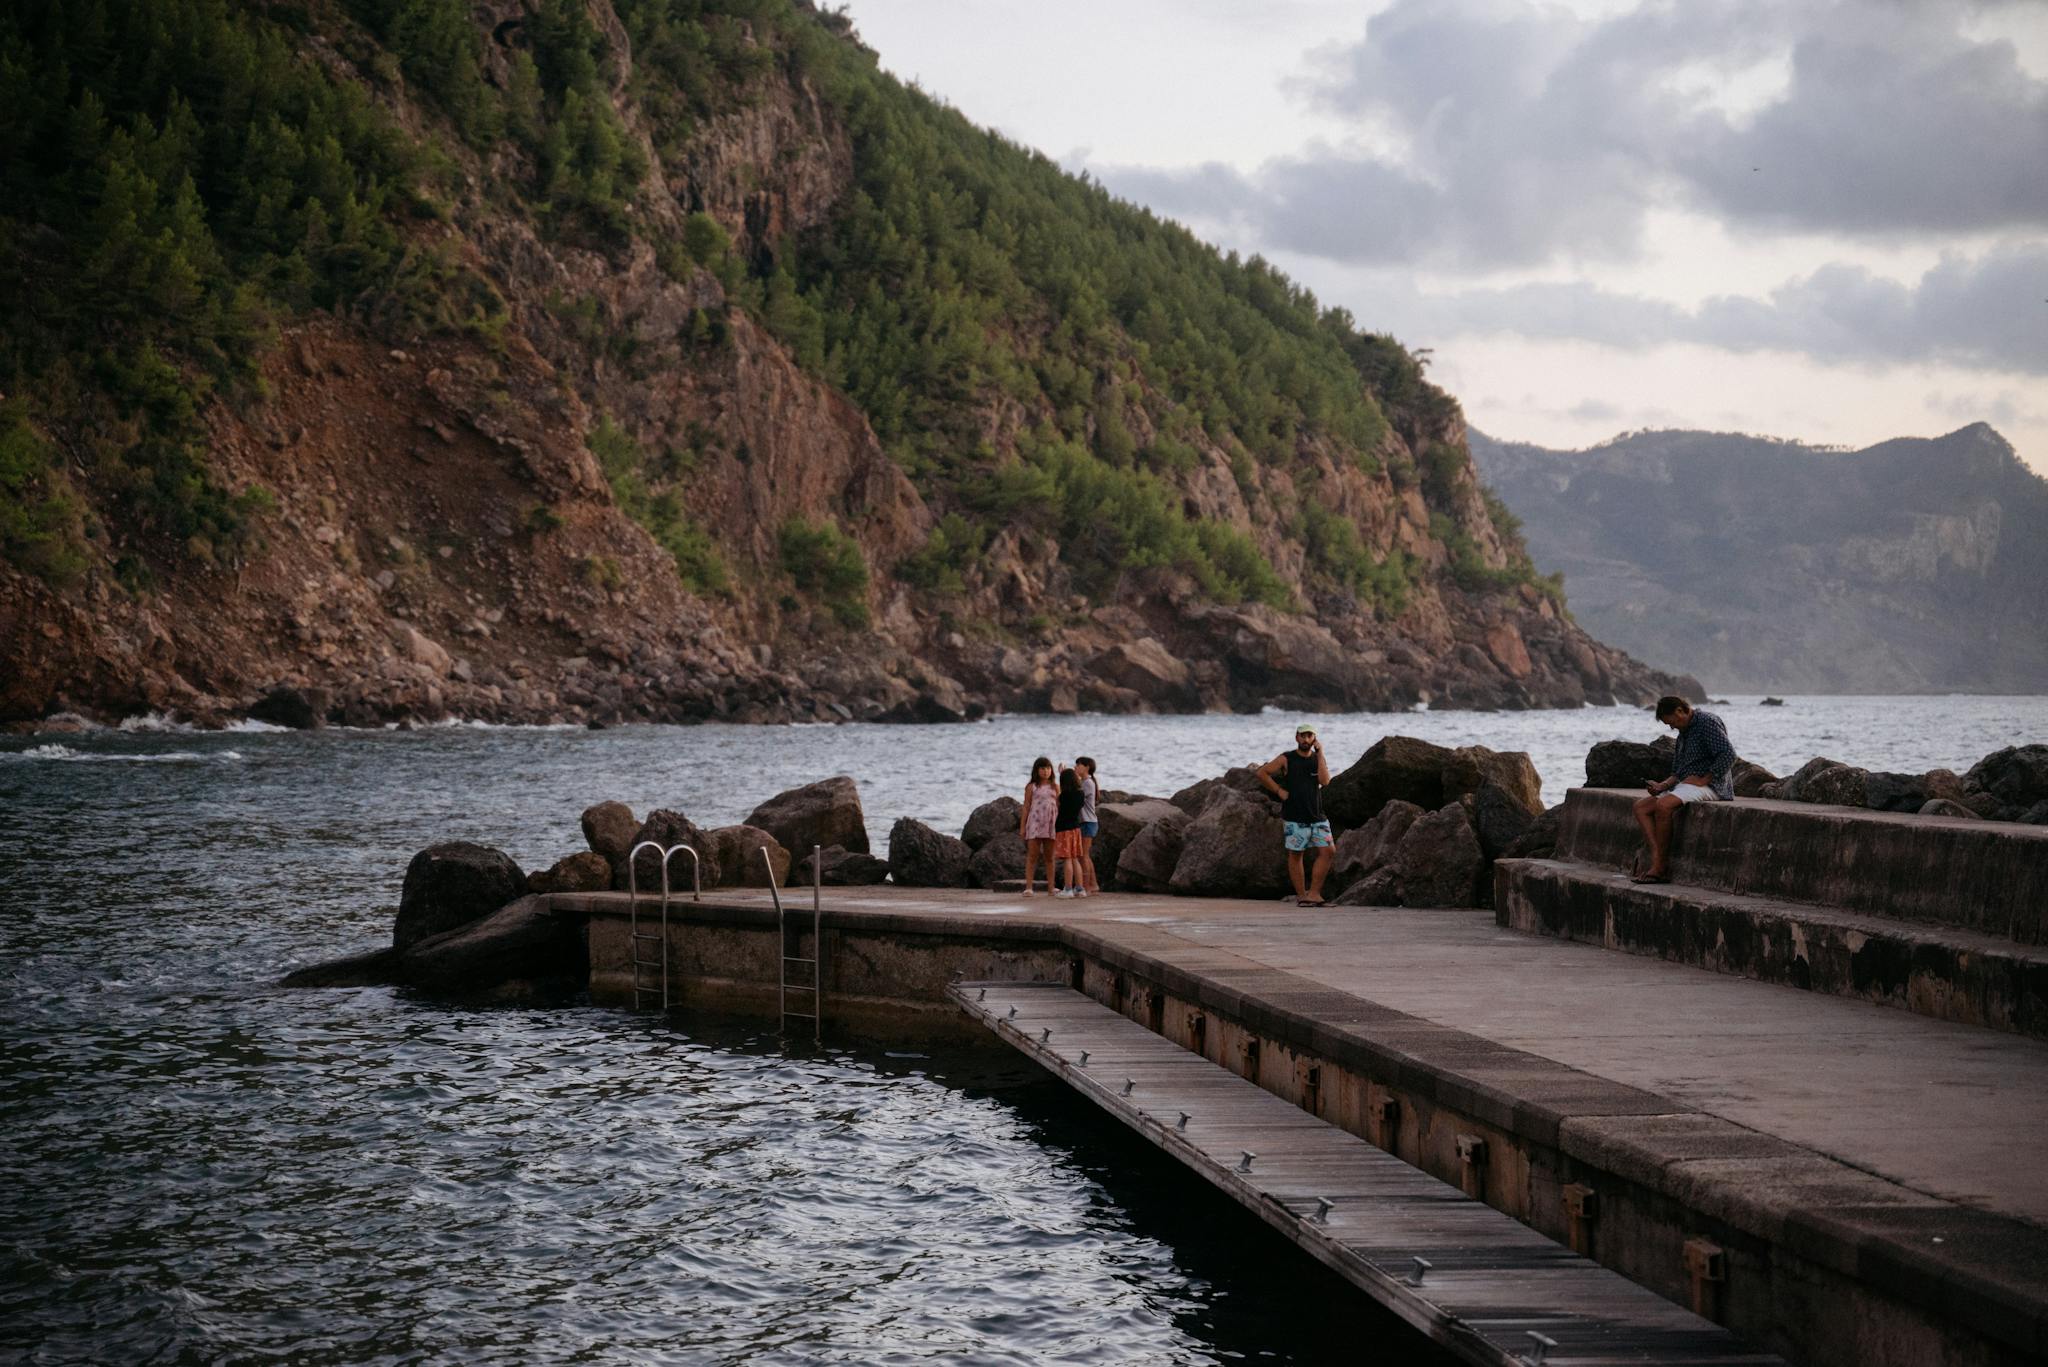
(782, 983)
(633, 904)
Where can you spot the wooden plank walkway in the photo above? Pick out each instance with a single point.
(1493, 1291)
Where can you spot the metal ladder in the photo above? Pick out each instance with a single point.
(816, 960)
(642, 965)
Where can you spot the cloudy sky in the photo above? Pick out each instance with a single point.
(1817, 219)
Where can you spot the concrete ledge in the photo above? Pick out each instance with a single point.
(1986, 876)
(1949, 974)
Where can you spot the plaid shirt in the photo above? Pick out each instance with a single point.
(1703, 748)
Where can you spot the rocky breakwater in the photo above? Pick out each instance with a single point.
(471, 923)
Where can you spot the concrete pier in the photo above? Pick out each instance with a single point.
(1835, 1182)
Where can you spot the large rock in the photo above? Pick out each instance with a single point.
(301, 709)
(999, 816)
(2036, 815)
(827, 812)
(1942, 806)
(608, 828)
(1000, 859)
(586, 871)
(1120, 823)
(1233, 849)
(2017, 775)
(1792, 786)
(1498, 818)
(1367, 849)
(1146, 864)
(451, 885)
(1380, 888)
(1751, 780)
(1629, 763)
(842, 869)
(1842, 785)
(518, 952)
(920, 857)
(1439, 861)
(1145, 667)
(668, 829)
(1540, 840)
(1885, 791)
(1427, 775)
(735, 851)
(1244, 779)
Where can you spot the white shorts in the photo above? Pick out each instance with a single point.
(1693, 792)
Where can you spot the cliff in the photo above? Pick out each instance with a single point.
(1912, 566)
(400, 359)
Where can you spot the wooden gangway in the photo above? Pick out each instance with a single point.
(1475, 1280)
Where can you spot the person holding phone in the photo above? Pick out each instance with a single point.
(1702, 770)
(1305, 773)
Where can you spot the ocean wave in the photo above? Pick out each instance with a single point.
(156, 723)
(65, 752)
(250, 726)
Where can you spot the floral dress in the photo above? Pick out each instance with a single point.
(1044, 802)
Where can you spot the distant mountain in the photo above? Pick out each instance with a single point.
(1913, 565)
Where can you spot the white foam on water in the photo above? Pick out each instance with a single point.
(250, 726)
(66, 753)
(155, 722)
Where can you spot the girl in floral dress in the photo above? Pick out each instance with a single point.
(1041, 808)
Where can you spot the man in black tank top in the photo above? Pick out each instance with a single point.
(1305, 773)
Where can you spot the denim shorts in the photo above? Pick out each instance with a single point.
(1306, 836)
(1089, 828)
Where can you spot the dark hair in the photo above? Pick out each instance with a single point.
(1091, 769)
(1670, 703)
(1070, 783)
(1040, 763)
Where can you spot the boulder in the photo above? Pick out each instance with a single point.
(1427, 775)
(827, 812)
(1243, 779)
(1121, 823)
(2017, 775)
(1146, 864)
(1843, 785)
(301, 709)
(1380, 888)
(1367, 849)
(667, 829)
(735, 851)
(1439, 861)
(375, 969)
(586, 871)
(2036, 815)
(1885, 791)
(1497, 818)
(1629, 763)
(518, 952)
(1145, 667)
(608, 829)
(920, 857)
(1751, 780)
(1233, 849)
(1788, 789)
(1943, 806)
(995, 817)
(842, 869)
(450, 885)
(1540, 840)
(1000, 859)
(1986, 807)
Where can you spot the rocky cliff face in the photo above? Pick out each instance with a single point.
(449, 536)
(1914, 565)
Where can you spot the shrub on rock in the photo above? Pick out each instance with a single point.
(1146, 864)
(827, 812)
(608, 828)
(587, 871)
(920, 857)
(450, 885)
(991, 819)
(1232, 849)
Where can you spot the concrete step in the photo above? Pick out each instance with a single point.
(1990, 877)
(1939, 971)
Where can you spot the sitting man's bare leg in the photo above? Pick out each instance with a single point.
(1662, 809)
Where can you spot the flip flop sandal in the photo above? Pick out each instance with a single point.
(1649, 878)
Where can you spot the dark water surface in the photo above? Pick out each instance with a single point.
(200, 1167)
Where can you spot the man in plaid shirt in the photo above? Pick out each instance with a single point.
(1702, 770)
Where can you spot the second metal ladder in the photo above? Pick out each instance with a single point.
(814, 961)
